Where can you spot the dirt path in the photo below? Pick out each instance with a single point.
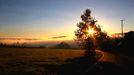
(113, 64)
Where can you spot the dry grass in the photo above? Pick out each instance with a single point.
(37, 55)
(31, 60)
(40, 61)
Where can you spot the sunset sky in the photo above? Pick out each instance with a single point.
(57, 19)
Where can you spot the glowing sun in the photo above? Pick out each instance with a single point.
(91, 31)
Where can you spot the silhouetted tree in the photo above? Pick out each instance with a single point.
(1, 44)
(89, 35)
(127, 45)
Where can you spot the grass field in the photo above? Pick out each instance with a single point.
(35, 61)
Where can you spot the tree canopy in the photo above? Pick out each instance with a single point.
(89, 34)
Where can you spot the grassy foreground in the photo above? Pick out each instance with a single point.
(36, 61)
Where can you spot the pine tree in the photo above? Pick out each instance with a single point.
(88, 33)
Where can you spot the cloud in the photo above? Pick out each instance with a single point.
(19, 39)
(57, 37)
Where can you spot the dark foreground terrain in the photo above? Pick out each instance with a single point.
(113, 64)
(41, 61)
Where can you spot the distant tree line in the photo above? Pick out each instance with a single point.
(12, 45)
(61, 45)
(18, 45)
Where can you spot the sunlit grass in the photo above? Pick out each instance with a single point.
(38, 55)
(33, 60)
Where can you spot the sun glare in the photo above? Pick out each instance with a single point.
(91, 31)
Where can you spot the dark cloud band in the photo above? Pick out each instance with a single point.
(57, 37)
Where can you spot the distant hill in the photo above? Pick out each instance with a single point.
(63, 45)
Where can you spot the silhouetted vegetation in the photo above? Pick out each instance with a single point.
(89, 35)
(19, 45)
(120, 45)
(126, 46)
(15, 45)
